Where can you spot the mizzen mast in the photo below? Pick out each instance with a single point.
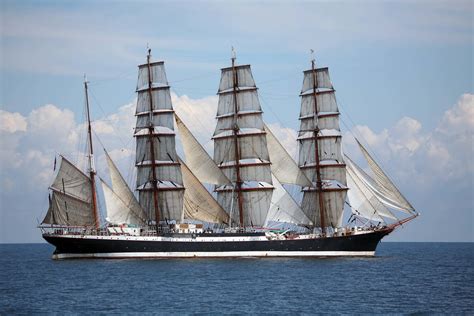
(91, 160)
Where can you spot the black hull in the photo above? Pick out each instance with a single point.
(107, 247)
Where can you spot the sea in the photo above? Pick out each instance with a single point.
(403, 278)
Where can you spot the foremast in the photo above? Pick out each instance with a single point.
(159, 179)
(320, 152)
(240, 148)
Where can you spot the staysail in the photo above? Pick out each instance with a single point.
(284, 208)
(320, 152)
(127, 209)
(159, 179)
(283, 166)
(362, 199)
(71, 199)
(240, 148)
(384, 187)
(197, 158)
(199, 204)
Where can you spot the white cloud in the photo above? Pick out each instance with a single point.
(460, 118)
(45, 39)
(423, 157)
(12, 122)
(419, 160)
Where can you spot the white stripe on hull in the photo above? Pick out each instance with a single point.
(226, 254)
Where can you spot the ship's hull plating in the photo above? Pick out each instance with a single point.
(73, 246)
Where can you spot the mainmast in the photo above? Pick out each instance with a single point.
(91, 160)
(235, 131)
(151, 128)
(319, 183)
(240, 148)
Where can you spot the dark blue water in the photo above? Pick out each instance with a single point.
(404, 278)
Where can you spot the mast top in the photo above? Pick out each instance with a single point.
(233, 55)
(313, 60)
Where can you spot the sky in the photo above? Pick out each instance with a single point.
(402, 70)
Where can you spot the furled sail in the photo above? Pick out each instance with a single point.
(199, 204)
(284, 208)
(158, 170)
(363, 201)
(384, 187)
(71, 200)
(128, 205)
(197, 159)
(240, 148)
(320, 152)
(283, 166)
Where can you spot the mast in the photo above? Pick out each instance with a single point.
(151, 128)
(319, 184)
(91, 160)
(240, 148)
(159, 179)
(235, 130)
(320, 150)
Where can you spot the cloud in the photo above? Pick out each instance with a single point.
(408, 150)
(12, 122)
(434, 168)
(198, 115)
(44, 38)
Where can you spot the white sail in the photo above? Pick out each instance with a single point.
(283, 166)
(117, 212)
(198, 202)
(67, 210)
(319, 128)
(122, 191)
(204, 168)
(240, 125)
(359, 204)
(72, 181)
(327, 104)
(333, 201)
(164, 182)
(322, 80)
(247, 100)
(284, 208)
(385, 187)
(71, 199)
(244, 78)
(158, 75)
(362, 198)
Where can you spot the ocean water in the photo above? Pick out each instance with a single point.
(404, 278)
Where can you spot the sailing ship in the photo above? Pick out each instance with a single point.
(249, 211)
